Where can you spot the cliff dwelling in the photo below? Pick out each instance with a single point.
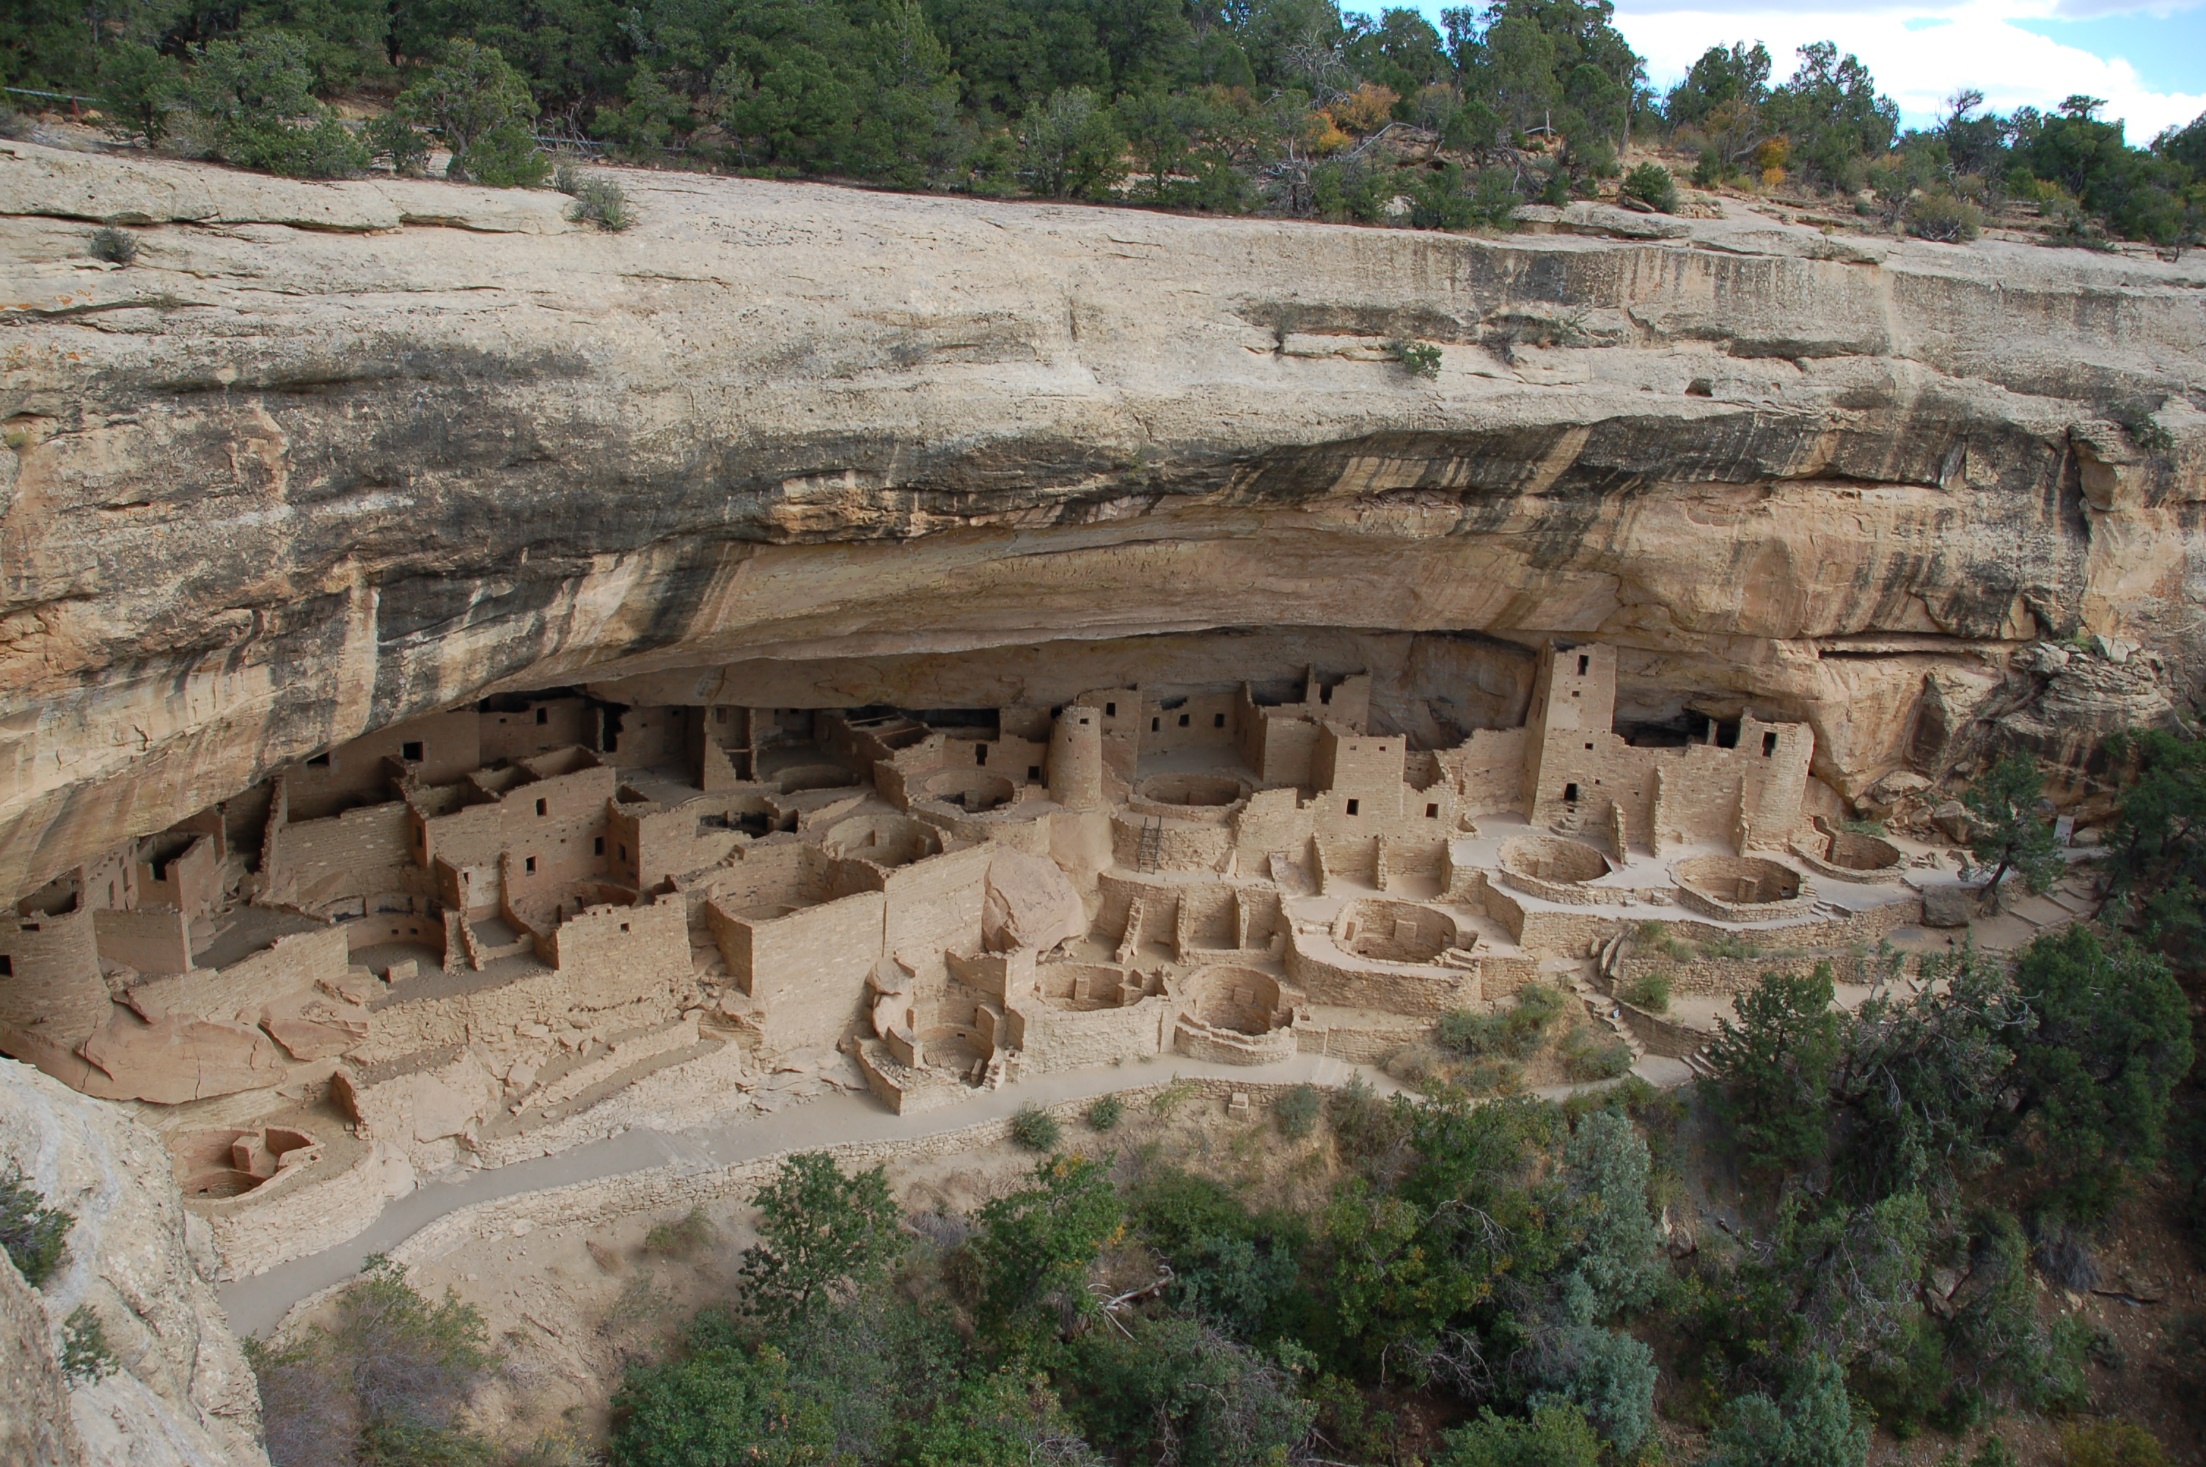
(445, 943)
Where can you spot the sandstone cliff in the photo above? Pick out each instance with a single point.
(182, 1394)
(329, 455)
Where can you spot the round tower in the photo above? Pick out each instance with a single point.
(1076, 757)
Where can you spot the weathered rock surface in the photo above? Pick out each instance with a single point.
(183, 1393)
(330, 455)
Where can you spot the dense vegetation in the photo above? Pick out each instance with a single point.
(1292, 106)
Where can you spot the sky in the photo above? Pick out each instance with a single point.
(2147, 58)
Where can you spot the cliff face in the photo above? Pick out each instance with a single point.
(180, 1393)
(331, 455)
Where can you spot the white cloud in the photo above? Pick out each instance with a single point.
(1964, 43)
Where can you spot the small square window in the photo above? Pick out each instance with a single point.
(624, 926)
(1570, 794)
(1769, 744)
(1110, 710)
(1217, 720)
(543, 716)
(528, 864)
(1432, 812)
(1033, 774)
(1575, 693)
(410, 751)
(1183, 720)
(1589, 746)
(543, 807)
(1354, 806)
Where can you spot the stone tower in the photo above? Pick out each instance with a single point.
(1076, 758)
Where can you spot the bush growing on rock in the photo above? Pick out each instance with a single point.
(33, 1234)
(1296, 1111)
(1649, 991)
(1104, 1113)
(1942, 217)
(1652, 185)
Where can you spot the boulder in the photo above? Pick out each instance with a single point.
(1030, 903)
(1949, 905)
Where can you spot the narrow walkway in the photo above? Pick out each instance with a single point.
(255, 1304)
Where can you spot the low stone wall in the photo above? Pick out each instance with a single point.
(1201, 1041)
(1360, 1044)
(253, 1234)
(1722, 977)
(1662, 1036)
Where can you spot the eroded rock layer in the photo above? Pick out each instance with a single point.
(331, 456)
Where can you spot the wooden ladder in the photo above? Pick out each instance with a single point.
(1152, 844)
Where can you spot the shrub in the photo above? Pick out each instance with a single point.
(1371, 1132)
(255, 96)
(599, 201)
(392, 136)
(382, 1383)
(1556, 1435)
(1035, 1129)
(1649, 991)
(1296, 1112)
(1418, 358)
(33, 1233)
(1031, 1255)
(1594, 1054)
(2110, 1443)
(85, 1354)
(717, 1403)
(1105, 1112)
(1651, 184)
(1610, 1377)
(1514, 1032)
(681, 1238)
(1176, 1390)
(138, 89)
(1943, 217)
(1812, 1426)
(1657, 937)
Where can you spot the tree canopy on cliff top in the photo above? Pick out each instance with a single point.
(1280, 105)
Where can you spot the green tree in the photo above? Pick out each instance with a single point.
(1006, 1419)
(2159, 846)
(1833, 116)
(1605, 1177)
(1034, 1247)
(717, 1403)
(821, 1236)
(138, 88)
(1925, 1078)
(480, 107)
(1070, 147)
(1557, 1434)
(1774, 1069)
(2007, 831)
(1812, 1425)
(255, 97)
(1175, 1390)
(2113, 1038)
(33, 1234)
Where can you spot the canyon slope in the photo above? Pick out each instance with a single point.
(331, 455)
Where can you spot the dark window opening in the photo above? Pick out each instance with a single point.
(980, 753)
(1576, 694)
(597, 847)
(1217, 720)
(7, 966)
(1033, 773)
(410, 751)
(543, 807)
(318, 761)
(1584, 662)
(1727, 733)
(1570, 794)
(528, 864)
(1110, 710)
(1769, 744)
(1183, 720)
(1155, 724)
(543, 716)
(1432, 812)
(1354, 806)
(1589, 746)
(624, 926)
